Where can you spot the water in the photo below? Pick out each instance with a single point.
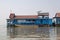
(53, 33)
(3, 34)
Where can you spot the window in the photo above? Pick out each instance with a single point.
(46, 17)
(58, 21)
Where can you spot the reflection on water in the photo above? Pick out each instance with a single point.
(53, 33)
(50, 32)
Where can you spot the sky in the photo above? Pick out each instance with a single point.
(27, 7)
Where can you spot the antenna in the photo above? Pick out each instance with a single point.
(11, 11)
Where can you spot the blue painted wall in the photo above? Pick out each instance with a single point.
(57, 20)
(35, 22)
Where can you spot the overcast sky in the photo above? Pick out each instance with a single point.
(27, 7)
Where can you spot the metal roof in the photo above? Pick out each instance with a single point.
(26, 16)
(43, 14)
(57, 15)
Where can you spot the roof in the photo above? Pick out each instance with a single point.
(12, 15)
(57, 15)
(26, 16)
(43, 14)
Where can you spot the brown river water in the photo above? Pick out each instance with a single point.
(53, 34)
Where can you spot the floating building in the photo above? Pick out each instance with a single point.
(40, 19)
(17, 24)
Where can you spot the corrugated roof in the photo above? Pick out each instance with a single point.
(45, 14)
(57, 15)
(26, 16)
